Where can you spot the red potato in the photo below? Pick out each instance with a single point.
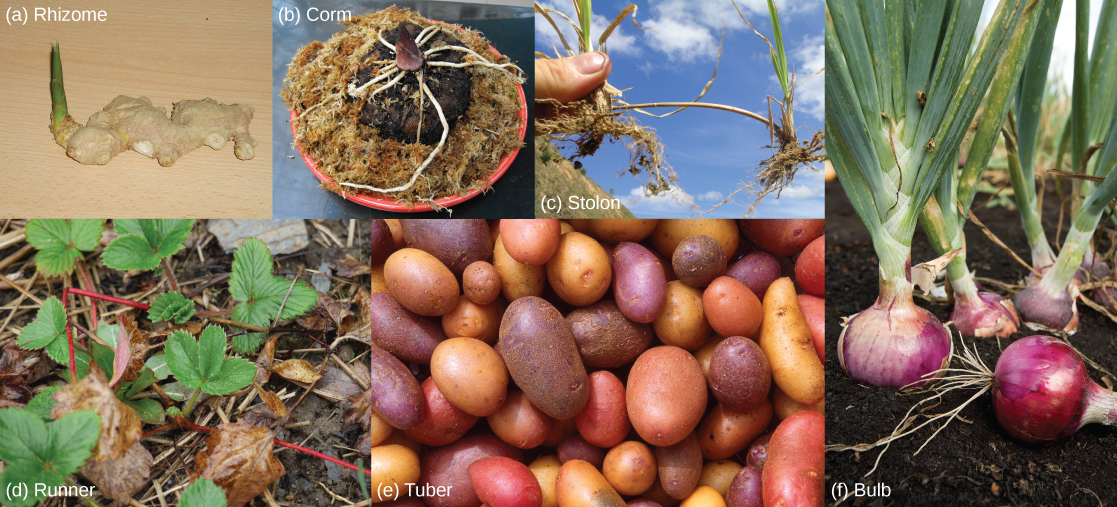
(448, 467)
(810, 269)
(725, 432)
(442, 422)
(531, 242)
(666, 395)
(781, 236)
(505, 482)
(793, 473)
(814, 311)
(732, 309)
(604, 421)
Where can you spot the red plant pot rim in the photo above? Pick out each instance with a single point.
(390, 204)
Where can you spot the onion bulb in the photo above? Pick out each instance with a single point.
(1042, 394)
(985, 314)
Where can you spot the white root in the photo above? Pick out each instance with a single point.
(419, 171)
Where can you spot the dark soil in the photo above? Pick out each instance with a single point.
(394, 112)
(973, 462)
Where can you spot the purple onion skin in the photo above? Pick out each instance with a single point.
(745, 490)
(1097, 268)
(893, 345)
(1053, 311)
(1105, 296)
(986, 315)
(1042, 394)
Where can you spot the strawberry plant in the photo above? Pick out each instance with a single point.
(119, 375)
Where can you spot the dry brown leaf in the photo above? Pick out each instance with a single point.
(238, 458)
(138, 341)
(328, 314)
(274, 403)
(20, 368)
(358, 410)
(120, 425)
(296, 370)
(923, 275)
(119, 479)
(347, 266)
(264, 361)
(337, 385)
(362, 301)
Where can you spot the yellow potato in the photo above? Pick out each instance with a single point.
(682, 322)
(517, 280)
(579, 484)
(546, 469)
(669, 233)
(630, 468)
(580, 271)
(704, 496)
(719, 474)
(392, 466)
(786, 341)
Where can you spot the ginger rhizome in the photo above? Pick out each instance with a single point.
(136, 124)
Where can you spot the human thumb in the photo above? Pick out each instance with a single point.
(567, 79)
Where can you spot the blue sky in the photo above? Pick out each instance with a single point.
(710, 150)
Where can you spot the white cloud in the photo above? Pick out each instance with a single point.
(621, 41)
(807, 58)
(675, 199)
(800, 192)
(712, 195)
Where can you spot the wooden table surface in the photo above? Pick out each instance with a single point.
(166, 51)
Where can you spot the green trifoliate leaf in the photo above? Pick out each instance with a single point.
(60, 242)
(42, 403)
(171, 306)
(42, 453)
(143, 243)
(261, 294)
(48, 330)
(202, 364)
(203, 493)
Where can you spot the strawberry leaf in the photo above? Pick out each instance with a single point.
(143, 243)
(171, 306)
(42, 453)
(202, 364)
(60, 242)
(261, 294)
(48, 330)
(158, 365)
(42, 403)
(149, 410)
(203, 493)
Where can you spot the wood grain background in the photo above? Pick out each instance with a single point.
(166, 51)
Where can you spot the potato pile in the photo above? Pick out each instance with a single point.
(594, 362)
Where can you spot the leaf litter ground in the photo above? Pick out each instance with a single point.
(202, 268)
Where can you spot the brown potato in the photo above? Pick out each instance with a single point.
(520, 423)
(517, 279)
(630, 468)
(680, 466)
(682, 322)
(669, 233)
(725, 432)
(605, 337)
(698, 260)
(531, 242)
(481, 283)
(472, 320)
(666, 395)
(471, 375)
(539, 350)
(580, 271)
(579, 484)
(420, 282)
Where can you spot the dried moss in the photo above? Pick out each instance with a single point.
(331, 132)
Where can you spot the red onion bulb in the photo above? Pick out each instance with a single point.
(1042, 394)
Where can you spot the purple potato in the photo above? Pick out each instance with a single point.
(639, 286)
(542, 358)
(576, 447)
(448, 467)
(756, 270)
(745, 490)
(740, 375)
(680, 467)
(456, 243)
(396, 396)
(382, 243)
(404, 334)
